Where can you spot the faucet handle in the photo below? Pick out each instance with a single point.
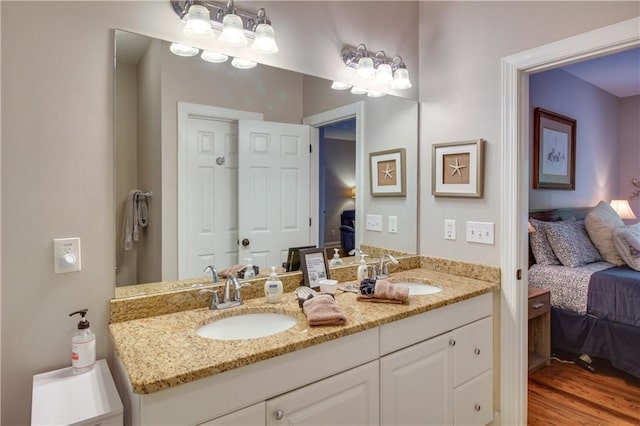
(215, 299)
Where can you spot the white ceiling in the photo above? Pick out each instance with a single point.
(618, 73)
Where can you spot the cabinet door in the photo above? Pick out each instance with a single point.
(250, 416)
(473, 401)
(473, 350)
(349, 398)
(416, 384)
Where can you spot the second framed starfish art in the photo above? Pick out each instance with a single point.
(457, 169)
(387, 173)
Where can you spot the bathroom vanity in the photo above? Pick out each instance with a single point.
(429, 362)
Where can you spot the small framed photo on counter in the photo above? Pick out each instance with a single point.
(314, 266)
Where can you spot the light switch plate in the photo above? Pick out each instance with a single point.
(449, 229)
(393, 224)
(480, 232)
(66, 255)
(374, 222)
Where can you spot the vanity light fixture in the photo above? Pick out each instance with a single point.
(337, 85)
(183, 50)
(378, 68)
(243, 64)
(358, 90)
(215, 57)
(236, 26)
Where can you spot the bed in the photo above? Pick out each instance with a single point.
(595, 303)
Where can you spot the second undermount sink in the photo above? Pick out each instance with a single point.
(417, 289)
(247, 326)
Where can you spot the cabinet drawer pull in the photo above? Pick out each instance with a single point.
(476, 351)
(279, 415)
(452, 342)
(537, 305)
(477, 407)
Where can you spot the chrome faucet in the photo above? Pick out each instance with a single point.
(214, 273)
(232, 280)
(383, 271)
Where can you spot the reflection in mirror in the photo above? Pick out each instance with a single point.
(193, 134)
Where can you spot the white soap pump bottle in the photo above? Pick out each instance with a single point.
(273, 287)
(336, 260)
(83, 345)
(362, 269)
(248, 270)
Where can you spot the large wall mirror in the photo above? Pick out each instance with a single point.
(221, 157)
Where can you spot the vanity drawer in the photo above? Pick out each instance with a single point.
(473, 401)
(472, 350)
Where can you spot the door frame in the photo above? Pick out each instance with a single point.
(187, 110)
(354, 110)
(515, 189)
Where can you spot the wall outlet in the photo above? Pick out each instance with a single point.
(480, 232)
(374, 222)
(66, 255)
(449, 229)
(393, 224)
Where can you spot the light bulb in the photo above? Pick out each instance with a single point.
(183, 49)
(337, 85)
(358, 90)
(401, 79)
(215, 57)
(384, 75)
(198, 22)
(232, 31)
(265, 41)
(365, 68)
(243, 64)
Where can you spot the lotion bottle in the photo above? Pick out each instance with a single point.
(83, 345)
(273, 287)
(336, 260)
(362, 269)
(249, 272)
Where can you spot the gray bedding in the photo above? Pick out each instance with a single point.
(614, 295)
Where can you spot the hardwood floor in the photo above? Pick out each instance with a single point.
(566, 394)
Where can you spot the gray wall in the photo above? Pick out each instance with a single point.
(629, 149)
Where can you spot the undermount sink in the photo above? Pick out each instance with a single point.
(418, 289)
(246, 326)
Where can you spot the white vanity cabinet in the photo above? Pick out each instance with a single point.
(445, 379)
(430, 368)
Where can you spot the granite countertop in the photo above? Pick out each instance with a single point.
(163, 351)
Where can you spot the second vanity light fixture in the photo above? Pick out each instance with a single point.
(236, 28)
(373, 69)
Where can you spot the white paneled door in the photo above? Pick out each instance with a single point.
(273, 192)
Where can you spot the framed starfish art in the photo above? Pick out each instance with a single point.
(457, 169)
(387, 173)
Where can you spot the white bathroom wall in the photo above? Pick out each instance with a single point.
(629, 159)
(596, 112)
(461, 47)
(57, 151)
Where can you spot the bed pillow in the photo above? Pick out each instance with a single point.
(571, 244)
(627, 242)
(540, 246)
(600, 223)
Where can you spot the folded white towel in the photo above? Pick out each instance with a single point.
(136, 214)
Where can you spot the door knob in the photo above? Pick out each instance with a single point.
(245, 242)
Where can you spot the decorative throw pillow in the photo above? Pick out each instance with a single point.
(627, 241)
(571, 243)
(600, 223)
(540, 246)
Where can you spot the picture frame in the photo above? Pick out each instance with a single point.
(554, 151)
(314, 266)
(457, 169)
(387, 173)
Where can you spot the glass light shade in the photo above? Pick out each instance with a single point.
(215, 57)
(198, 22)
(337, 85)
(384, 75)
(365, 68)
(265, 41)
(358, 90)
(375, 94)
(183, 49)
(243, 64)
(232, 31)
(623, 209)
(401, 79)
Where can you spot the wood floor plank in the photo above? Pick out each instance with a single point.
(567, 394)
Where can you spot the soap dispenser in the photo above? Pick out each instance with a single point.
(273, 287)
(336, 261)
(83, 345)
(362, 268)
(249, 272)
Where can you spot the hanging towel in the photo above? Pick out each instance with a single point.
(136, 214)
